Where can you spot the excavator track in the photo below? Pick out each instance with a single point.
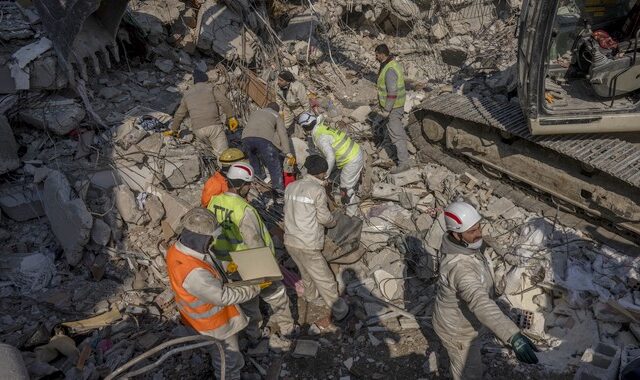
(599, 174)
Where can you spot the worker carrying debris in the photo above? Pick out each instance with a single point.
(291, 96)
(242, 228)
(306, 214)
(217, 183)
(391, 97)
(339, 150)
(463, 302)
(205, 302)
(265, 139)
(205, 104)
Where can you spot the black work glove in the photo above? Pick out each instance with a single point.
(524, 349)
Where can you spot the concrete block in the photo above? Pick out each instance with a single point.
(306, 348)
(599, 363)
(408, 177)
(499, 207)
(22, 203)
(100, 232)
(69, 218)
(8, 148)
(174, 207)
(125, 202)
(360, 114)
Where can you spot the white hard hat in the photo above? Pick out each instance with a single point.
(460, 216)
(306, 119)
(201, 221)
(241, 171)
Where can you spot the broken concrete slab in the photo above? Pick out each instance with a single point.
(155, 209)
(221, 30)
(58, 114)
(9, 159)
(306, 348)
(21, 58)
(164, 65)
(29, 272)
(174, 207)
(22, 203)
(407, 177)
(68, 216)
(498, 207)
(125, 202)
(360, 114)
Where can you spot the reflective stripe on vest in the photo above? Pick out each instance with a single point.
(229, 210)
(198, 314)
(343, 146)
(382, 87)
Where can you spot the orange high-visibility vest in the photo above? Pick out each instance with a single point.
(215, 185)
(198, 314)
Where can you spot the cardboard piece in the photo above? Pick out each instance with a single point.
(256, 266)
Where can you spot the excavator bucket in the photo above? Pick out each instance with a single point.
(83, 32)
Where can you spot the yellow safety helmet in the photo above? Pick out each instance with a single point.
(231, 155)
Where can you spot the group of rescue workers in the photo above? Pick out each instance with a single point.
(199, 264)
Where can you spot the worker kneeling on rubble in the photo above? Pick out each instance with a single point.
(206, 304)
(217, 183)
(242, 229)
(306, 214)
(463, 303)
(205, 104)
(339, 150)
(265, 140)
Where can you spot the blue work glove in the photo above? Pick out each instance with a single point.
(524, 349)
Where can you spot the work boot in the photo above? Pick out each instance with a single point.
(403, 167)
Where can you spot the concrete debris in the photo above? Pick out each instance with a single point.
(22, 203)
(360, 114)
(306, 348)
(59, 115)
(68, 216)
(165, 65)
(220, 30)
(406, 178)
(125, 202)
(28, 272)
(599, 362)
(8, 148)
(100, 232)
(24, 56)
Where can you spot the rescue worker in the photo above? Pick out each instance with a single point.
(292, 99)
(339, 150)
(306, 214)
(242, 228)
(206, 303)
(391, 98)
(265, 140)
(463, 302)
(205, 104)
(217, 183)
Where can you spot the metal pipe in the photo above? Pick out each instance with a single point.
(188, 339)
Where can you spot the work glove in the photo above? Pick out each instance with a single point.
(524, 349)
(232, 268)
(169, 133)
(290, 160)
(265, 284)
(233, 124)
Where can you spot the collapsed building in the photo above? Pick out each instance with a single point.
(93, 193)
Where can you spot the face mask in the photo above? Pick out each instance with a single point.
(475, 245)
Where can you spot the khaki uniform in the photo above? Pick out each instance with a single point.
(205, 105)
(292, 102)
(305, 216)
(463, 305)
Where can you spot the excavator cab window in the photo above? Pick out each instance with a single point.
(593, 61)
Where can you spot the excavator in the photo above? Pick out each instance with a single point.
(572, 135)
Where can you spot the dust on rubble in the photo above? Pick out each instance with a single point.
(92, 194)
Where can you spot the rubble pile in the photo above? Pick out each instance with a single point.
(93, 195)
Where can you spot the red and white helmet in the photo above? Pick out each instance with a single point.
(460, 216)
(241, 171)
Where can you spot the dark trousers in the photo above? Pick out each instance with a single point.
(263, 152)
